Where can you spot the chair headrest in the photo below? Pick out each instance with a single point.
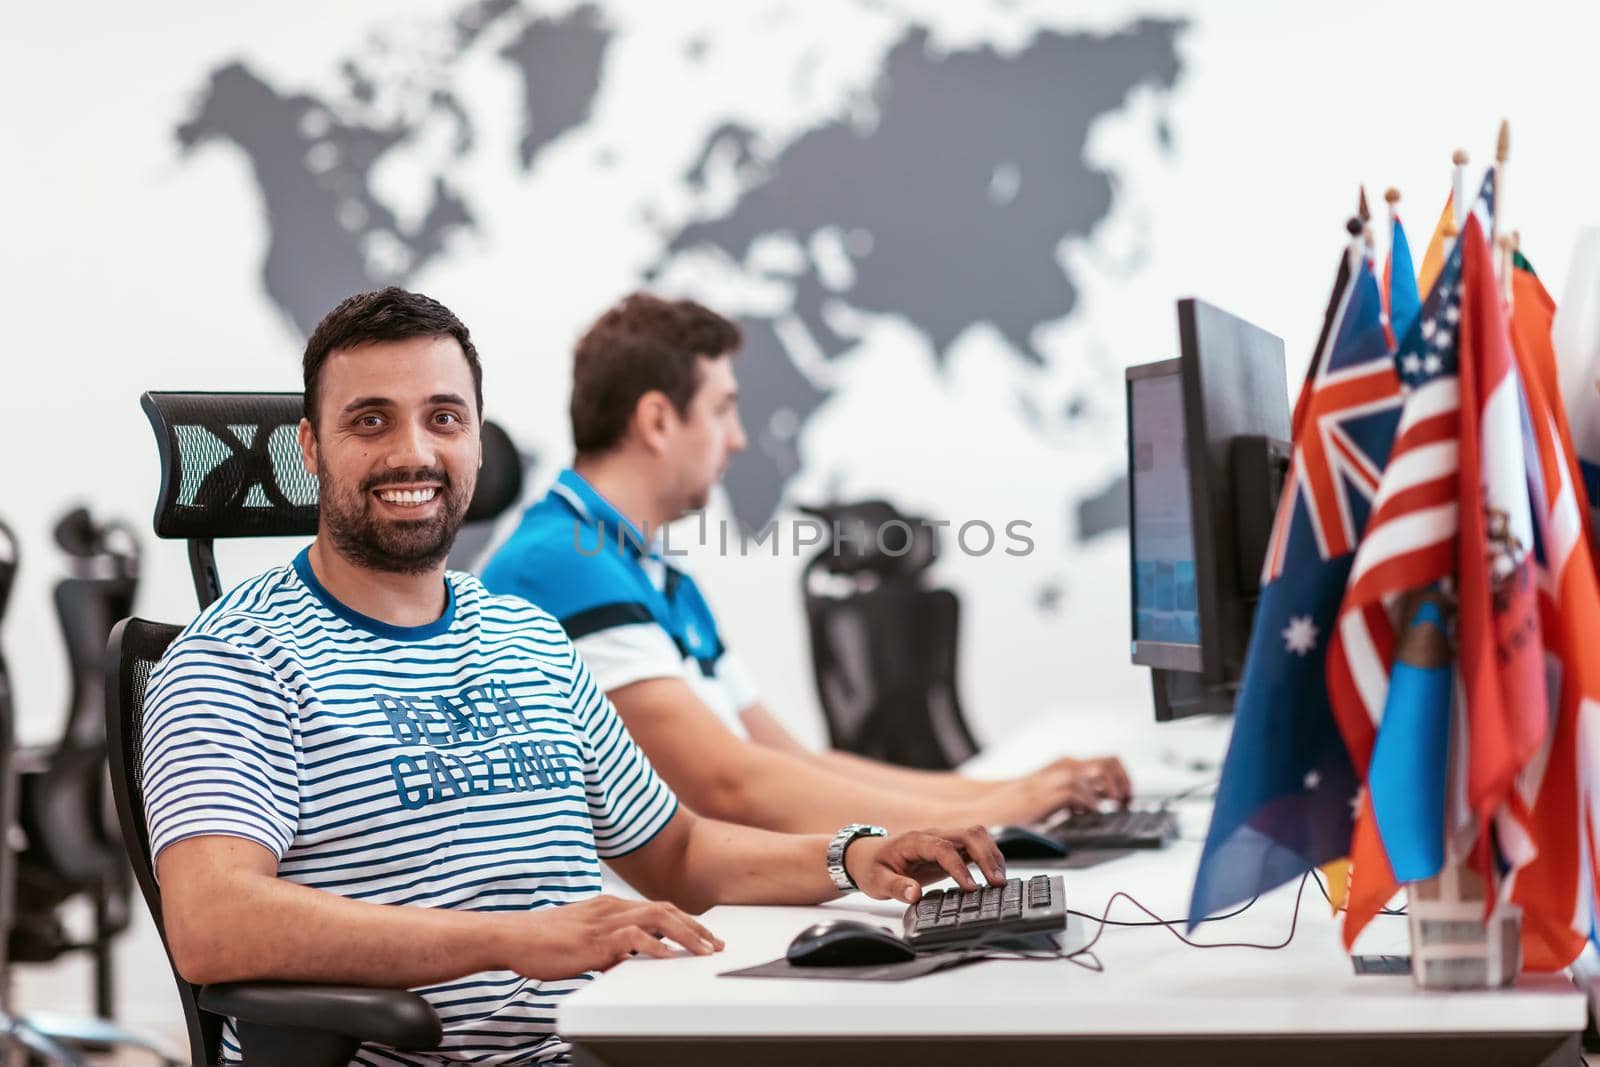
(230, 467)
(872, 537)
(499, 479)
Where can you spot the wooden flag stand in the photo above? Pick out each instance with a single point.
(1452, 947)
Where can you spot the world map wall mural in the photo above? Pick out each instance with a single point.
(941, 196)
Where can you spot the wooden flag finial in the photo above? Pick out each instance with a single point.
(1459, 157)
(1361, 206)
(1391, 196)
(1502, 144)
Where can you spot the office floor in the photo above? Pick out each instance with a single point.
(146, 998)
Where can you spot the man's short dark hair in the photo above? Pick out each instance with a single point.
(391, 314)
(645, 343)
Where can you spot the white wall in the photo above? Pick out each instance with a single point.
(127, 265)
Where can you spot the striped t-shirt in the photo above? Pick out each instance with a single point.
(470, 763)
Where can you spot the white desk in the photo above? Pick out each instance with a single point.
(1157, 1000)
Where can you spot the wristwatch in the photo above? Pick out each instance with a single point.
(841, 841)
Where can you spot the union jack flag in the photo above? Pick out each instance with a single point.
(1336, 438)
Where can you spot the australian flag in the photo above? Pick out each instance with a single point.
(1285, 801)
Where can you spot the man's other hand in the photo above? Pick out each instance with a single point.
(1065, 785)
(1103, 777)
(898, 867)
(599, 933)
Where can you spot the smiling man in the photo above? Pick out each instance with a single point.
(655, 420)
(361, 768)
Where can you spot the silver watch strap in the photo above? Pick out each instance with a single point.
(836, 849)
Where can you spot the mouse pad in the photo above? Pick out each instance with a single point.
(875, 972)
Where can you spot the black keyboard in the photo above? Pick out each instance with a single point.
(1114, 829)
(952, 917)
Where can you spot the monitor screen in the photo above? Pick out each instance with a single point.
(1166, 614)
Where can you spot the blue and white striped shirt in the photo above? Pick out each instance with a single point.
(470, 764)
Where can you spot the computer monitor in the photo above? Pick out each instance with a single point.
(1208, 448)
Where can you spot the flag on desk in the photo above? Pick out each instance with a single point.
(1401, 300)
(1391, 691)
(1284, 802)
(1501, 648)
(1554, 801)
(1434, 252)
(1576, 334)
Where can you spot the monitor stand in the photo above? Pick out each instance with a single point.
(1180, 694)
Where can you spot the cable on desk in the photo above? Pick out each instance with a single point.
(1192, 792)
(1105, 921)
(1240, 910)
(1329, 899)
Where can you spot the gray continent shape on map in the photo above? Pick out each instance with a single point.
(560, 61)
(320, 220)
(945, 251)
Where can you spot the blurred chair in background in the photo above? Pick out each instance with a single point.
(65, 810)
(68, 851)
(883, 646)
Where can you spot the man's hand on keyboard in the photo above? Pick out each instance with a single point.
(1102, 777)
(899, 866)
(1065, 785)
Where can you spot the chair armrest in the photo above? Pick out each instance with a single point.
(394, 1017)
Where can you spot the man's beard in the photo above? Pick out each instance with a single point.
(394, 546)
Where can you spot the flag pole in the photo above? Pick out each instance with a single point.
(1458, 199)
(1364, 213)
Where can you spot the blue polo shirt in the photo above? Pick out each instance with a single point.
(631, 613)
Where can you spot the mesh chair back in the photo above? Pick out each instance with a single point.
(230, 467)
(135, 648)
(883, 647)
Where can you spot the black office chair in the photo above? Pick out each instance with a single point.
(65, 810)
(52, 1039)
(281, 1024)
(883, 646)
(230, 467)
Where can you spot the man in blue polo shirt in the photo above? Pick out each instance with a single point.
(654, 420)
(362, 769)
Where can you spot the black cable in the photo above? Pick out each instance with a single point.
(1190, 792)
(1240, 910)
(1294, 923)
(980, 950)
(1329, 899)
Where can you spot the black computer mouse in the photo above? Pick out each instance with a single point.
(847, 943)
(1021, 843)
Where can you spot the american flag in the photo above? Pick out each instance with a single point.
(1410, 539)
